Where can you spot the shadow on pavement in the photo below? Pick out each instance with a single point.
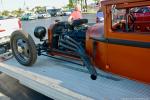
(13, 89)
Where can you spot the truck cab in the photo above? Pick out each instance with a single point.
(122, 45)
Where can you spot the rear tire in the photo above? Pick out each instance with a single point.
(23, 48)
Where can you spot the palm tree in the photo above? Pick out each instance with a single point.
(83, 4)
(70, 3)
(85, 1)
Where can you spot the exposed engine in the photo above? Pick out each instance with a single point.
(76, 31)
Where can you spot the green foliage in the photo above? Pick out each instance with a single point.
(39, 9)
(5, 13)
(71, 4)
(96, 1)
(18, 12)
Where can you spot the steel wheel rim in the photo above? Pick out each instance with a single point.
(22, 50)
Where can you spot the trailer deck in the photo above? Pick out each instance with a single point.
(64, 81)
(3, 97)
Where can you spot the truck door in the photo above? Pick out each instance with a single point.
(128, 51)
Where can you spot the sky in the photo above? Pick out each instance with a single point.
(15, 4)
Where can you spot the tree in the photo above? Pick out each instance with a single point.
(83, 4)
(96, 1)
(71, 4)
(5, 13)
(39, 9)
(85, 1)
(18, 12)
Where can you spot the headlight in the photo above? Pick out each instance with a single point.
(40, 32)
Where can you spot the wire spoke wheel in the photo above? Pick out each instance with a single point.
(23, 48)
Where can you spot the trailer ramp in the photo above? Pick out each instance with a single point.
(64, 81)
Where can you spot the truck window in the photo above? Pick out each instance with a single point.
(131, 20)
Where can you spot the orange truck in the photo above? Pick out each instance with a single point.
(123, 51)
(120, 46)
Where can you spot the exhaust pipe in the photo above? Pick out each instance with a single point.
(80, 50)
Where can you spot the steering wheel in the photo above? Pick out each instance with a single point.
(130, 19)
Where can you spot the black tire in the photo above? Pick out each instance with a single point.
(29, 57)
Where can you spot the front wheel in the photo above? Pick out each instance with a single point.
(23, 48)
